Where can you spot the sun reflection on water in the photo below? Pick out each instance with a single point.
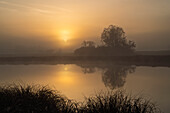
(65, 77)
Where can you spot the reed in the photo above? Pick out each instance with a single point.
(40, 99)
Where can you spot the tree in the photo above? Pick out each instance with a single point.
(84, 44)
(115, 37)
(114, 44)
(88, 44)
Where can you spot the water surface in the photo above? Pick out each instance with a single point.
(79, 80)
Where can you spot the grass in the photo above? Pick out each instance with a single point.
(38, 99)
(118, 102)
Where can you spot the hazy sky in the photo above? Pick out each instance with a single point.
(38, 25)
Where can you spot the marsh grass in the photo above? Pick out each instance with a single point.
(31, 99)
(118, 102)
(38, 99)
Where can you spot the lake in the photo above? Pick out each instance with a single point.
(85, 79)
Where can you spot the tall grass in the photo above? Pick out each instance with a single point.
(32, 99)
(118, 102)
(38, 99)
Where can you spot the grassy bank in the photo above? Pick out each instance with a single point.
(38, 99)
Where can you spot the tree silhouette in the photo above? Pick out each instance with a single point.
(88, 44)
(87, 48)
(114, 44)
(115, 37)
(84, 44)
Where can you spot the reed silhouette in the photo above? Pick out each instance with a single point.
(32, 99)
(118, 102)
(39, 99)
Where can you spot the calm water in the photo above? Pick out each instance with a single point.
(77, 81)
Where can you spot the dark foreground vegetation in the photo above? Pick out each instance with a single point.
(37, 99)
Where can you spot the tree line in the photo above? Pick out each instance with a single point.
(114, 42)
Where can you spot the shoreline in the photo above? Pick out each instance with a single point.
(138, 60)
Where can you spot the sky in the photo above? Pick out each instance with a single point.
(61, 25)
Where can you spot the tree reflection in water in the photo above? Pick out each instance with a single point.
(113, 76)
(88, 70)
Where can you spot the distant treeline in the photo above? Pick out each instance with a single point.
(114, 43)
(103, 51)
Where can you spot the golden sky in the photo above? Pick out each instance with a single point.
(64, 24)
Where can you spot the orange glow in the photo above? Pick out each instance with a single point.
(65, 24)
(66, 77)
(65, 68)
(65, 35)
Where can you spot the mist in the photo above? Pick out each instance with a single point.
(27, 26)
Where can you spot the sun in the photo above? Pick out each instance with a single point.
(65, 35)
(65, 40)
